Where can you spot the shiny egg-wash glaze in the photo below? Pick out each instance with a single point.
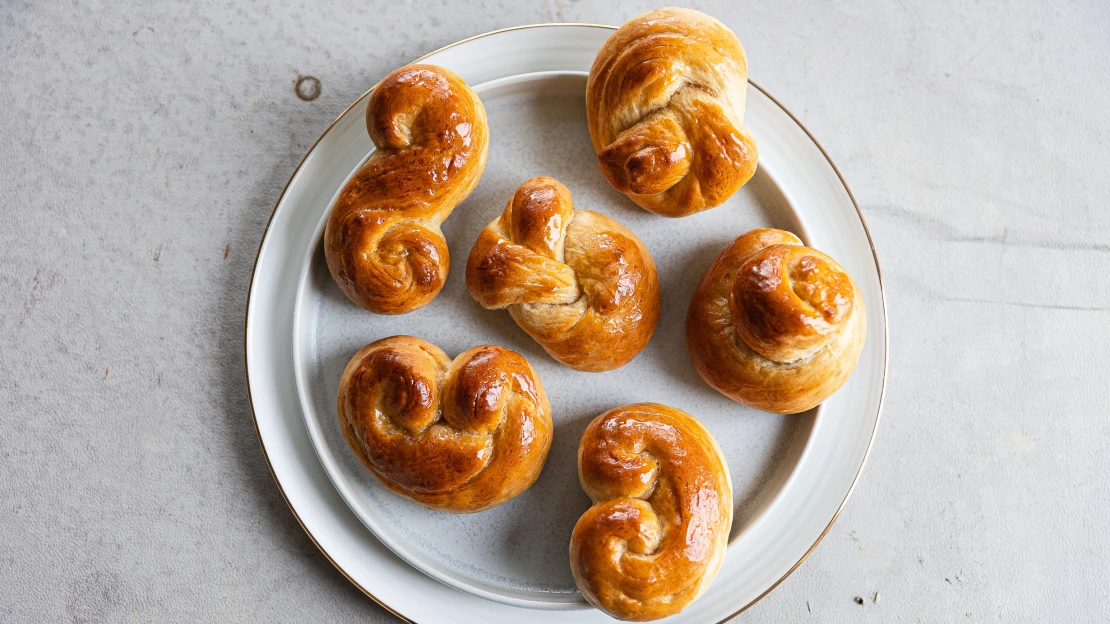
(383, 241)
(665, 104)
(658, 531)
(461, 436)
(775, 325)
(581, 284)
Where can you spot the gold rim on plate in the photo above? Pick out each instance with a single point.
(878, 271)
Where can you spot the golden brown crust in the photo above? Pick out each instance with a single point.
(775, 325)
(657, 533)
(581, 284)
(665, 105)
(383, 241)
(460, 436)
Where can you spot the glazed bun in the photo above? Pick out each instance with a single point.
(665, 104)
(774, 324)
(458, 435)
(658, 530)
(581, 284)
(383, 242)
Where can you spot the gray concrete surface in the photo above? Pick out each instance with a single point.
(144, 145)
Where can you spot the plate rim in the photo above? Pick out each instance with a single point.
(824, 153)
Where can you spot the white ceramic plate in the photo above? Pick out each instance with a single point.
(791, 475)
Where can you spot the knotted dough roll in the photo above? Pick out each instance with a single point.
(774, 324)
(383, 242)
(658, 530)
(665, 104)
(458, 435)
(581, 284)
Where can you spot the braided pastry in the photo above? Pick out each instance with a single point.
(665, 105)
(775, 325)
(579, 283)
(383, 241)
(458, 435)
(657, 533)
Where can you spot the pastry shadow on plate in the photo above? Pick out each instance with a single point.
(770, 475)
(327, 289)
(509, 334)
(668, 343)
(553, 505)
(775, 207)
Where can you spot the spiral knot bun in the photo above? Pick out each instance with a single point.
(775, 325)
(461, 436)
(383, 241)
(658, 530)
(665, 105)
(579, 283)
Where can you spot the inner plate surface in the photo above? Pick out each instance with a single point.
(517, 553)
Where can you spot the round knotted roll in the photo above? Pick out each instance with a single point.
(462, 435)
(383, 241)
(657, 533)
(581, 284)
(665, 104)
(775, 325)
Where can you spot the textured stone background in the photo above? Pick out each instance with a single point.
(143, 148)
